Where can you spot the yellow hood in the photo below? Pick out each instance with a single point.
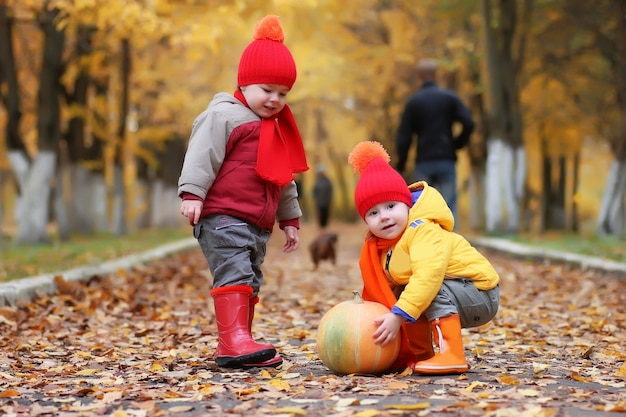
(430, 206)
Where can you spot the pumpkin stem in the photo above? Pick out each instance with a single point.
(357, 297)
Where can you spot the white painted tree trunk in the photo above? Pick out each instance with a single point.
(613, 210)
(82, 200)
(59, 205)
(34, 202)
(519, 189)
(98, 207)
(19, 164)
(165, 206)
(477, 199)
(494, 212)
(141, 205)
(157, 211)
(504, 186)
(119, 203)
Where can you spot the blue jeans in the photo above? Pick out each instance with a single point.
(441, 175)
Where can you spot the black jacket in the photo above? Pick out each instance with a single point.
(430, 113)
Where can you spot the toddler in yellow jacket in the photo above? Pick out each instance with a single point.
(433, 280)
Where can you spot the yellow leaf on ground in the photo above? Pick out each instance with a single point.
(88, 372)
(577, 377)
(396, 385)
(508, 380)
(289, 410)
(280, 384)
(621, 371)
(416, 406)
(157, 367)
(248, 391)
(472, 386)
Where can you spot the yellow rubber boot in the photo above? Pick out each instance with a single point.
(451, 356)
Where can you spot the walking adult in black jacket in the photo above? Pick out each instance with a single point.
(430, 114)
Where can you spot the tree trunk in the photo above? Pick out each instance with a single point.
(612, 212)
(574, 221)
(59, 198)
(165, 205)
(98, 178)
(8, 77)
(35, 202)
(477, 149)
(506, 171)
(18, 158)
(120, 187)
(79, 149)
(83, 200)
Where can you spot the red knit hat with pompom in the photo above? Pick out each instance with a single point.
(378, 181)
(266, 60)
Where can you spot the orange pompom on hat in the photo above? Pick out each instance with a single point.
(266, 60)
(378, 181)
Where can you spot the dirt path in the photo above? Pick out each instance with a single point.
(139, 343)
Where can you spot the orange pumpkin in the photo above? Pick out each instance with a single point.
(344, 338)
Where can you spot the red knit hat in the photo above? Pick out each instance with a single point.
(266, 60)
(378, 182)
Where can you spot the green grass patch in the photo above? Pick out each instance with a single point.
(608, 247)
(25, 261)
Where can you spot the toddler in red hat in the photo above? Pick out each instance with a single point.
(237, 180)
(431, 278)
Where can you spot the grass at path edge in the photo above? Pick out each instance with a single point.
(24, 261)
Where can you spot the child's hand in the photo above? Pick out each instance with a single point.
(388, 328)
(292, 241)
(192, 210)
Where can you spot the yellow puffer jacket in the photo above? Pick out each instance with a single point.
(429, 252)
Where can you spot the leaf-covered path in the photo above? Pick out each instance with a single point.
(140, 342)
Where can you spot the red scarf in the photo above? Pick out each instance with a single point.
(281, 152)
(376, 287)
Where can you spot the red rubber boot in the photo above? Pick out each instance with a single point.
(420, 340)
(276, 360)
(236, 346)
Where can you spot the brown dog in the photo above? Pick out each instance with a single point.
(323, 248)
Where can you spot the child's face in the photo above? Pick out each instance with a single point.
(266, 100)
(387, 220)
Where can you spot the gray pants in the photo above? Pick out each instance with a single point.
(460, 296)
(234, 249)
